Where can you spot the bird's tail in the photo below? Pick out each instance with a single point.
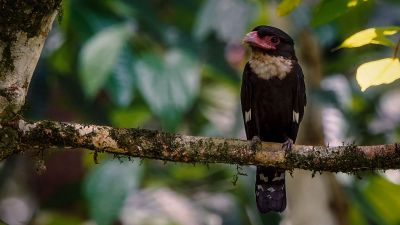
(270, 189)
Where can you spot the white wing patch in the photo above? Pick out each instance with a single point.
(263, 178)
(247, 115)
(295, 116)
(281, 177)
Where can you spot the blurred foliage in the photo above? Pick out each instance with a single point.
(378, 72)
(287, 6)
(176, 66)
(169, 84)
(383, 71)
(370, 36)
(108, 185)
(327, 10)
(99, 55)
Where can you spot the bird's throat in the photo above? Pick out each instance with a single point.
(267, 66)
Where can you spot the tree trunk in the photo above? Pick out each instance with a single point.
(24, 26)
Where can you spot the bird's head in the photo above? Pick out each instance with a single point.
(270, 40)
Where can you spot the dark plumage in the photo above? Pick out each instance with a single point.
(273, 100)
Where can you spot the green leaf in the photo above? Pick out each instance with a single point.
(378, 72)
(370, 36)
(329, 10)
(121, 84)
(62, 59)
(189, 172)
(287, 6)
(106, 187)
(98, 56)
(355, 215)
(380, 194)
(130, 117)
(169, 84)
(229, 19)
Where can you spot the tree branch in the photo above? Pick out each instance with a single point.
(20, 136)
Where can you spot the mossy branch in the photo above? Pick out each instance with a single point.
(20, 136)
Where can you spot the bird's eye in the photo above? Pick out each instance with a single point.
(275, 40)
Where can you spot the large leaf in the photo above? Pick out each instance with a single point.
(106, 187)
(329, 10)
(355, 214)
(98, 56)
(169, 84)
(229, 19)
(378, 72)
(370, 36)
(121, 83)
(286, 6)
(383, 198)
(85, 20)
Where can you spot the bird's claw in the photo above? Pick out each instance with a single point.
(287, 145)
(255, 141)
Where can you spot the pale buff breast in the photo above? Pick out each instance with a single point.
(266, 66)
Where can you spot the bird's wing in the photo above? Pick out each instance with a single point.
(246, 96)
(299, 101)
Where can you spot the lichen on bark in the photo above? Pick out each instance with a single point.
(21, 16)
(191, 149)
(9, 139)
(24, 26)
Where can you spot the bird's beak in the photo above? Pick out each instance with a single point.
(254, 40)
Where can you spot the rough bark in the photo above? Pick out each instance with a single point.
(24, 26)
(20, 136)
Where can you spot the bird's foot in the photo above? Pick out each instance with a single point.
(255, 142)
(287, 145)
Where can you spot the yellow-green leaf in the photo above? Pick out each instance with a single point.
(378, 72)
(286, 6)
(353, 3)
(370, 36)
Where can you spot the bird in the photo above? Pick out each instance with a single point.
(273, 99)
